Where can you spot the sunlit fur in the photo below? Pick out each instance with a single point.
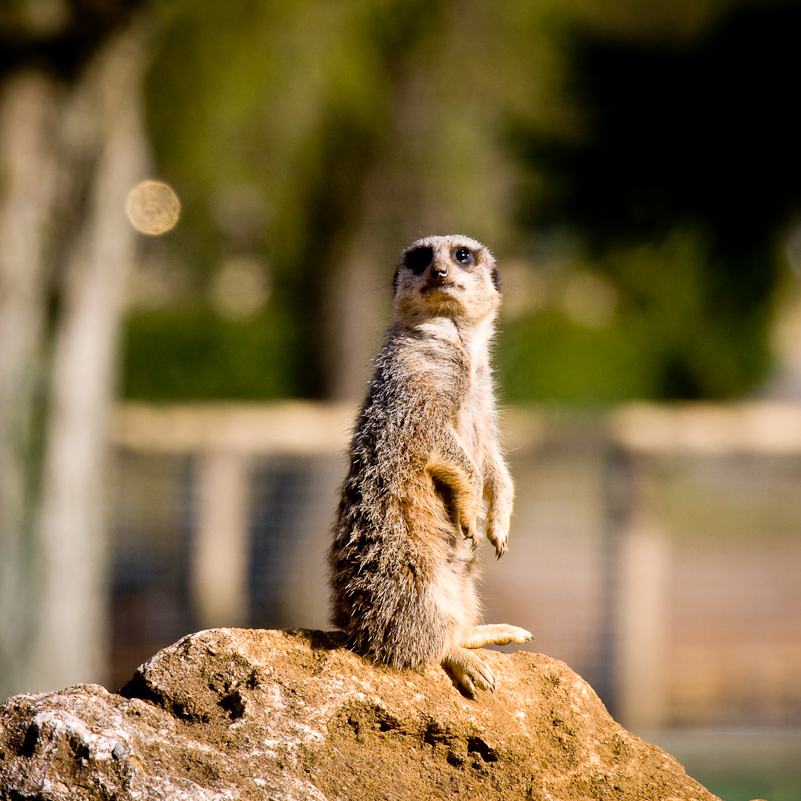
(425, 467)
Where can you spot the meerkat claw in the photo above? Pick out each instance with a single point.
(500, 543)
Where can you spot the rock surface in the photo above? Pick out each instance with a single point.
(292, 715)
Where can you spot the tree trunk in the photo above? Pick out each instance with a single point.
(69, 154)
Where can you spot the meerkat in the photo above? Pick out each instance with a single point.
(425, 463)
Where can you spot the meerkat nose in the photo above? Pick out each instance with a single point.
(440, 271)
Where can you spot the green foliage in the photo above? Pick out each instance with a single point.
(656, 342)
(550, 358)
(194, 354)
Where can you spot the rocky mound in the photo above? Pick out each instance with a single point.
(292, 715)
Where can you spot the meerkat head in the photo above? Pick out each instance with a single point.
(452, 276)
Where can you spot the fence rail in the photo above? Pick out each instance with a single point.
(316, 428)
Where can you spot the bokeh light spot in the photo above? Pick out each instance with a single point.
(241, 288)
(153, 207)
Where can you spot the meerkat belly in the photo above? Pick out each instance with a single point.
(452, 590)
(471, 428)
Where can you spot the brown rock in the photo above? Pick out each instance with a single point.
(245, 714)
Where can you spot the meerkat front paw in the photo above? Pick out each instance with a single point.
(499, 538)
(470, 530)
(468, 670)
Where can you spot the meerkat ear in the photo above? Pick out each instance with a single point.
(496, 278)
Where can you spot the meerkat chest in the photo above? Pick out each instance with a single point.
(455, 368)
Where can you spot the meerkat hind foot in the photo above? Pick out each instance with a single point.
(468, 670)
(495, 634)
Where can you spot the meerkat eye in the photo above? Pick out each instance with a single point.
(464, 256)
(418, 259)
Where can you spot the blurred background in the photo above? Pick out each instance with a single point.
(201, 206)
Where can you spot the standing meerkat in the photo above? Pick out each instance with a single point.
(425, 461)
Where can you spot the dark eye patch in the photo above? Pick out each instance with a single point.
(419, 258)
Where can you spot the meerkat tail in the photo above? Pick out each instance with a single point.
(495, 634)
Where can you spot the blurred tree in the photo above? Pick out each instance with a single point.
(71, 146)
(317, 140)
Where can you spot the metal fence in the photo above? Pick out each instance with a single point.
(656, 550)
